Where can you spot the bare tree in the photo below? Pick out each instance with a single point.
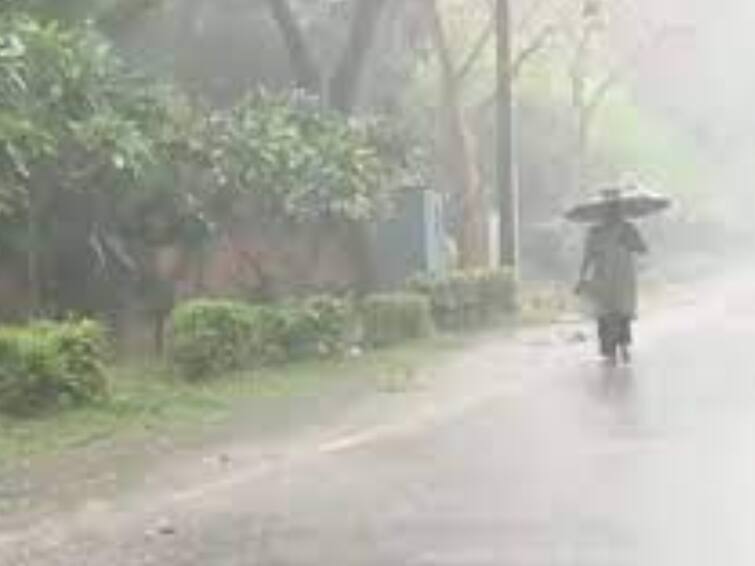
(340, 90)
(345, 82)
(520, 61)
(303, 66)
(460, 159)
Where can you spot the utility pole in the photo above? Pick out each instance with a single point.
(508, 195)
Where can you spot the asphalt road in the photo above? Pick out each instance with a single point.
(518, 453)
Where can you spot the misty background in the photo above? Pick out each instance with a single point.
(606, 91)
(678, 117)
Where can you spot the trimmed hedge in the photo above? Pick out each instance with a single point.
(317, 326)
(210, 338)
(468, 299)
(214, 337)
(51, 365)
(394, 318)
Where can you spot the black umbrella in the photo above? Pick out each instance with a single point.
(632, 204)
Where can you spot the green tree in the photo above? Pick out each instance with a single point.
(103, 167)
(299, 162)
(80, 137)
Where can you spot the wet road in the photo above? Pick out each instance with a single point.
(525, 454)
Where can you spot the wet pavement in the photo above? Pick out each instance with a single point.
(524, 453)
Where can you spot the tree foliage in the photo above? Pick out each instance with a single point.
(82, 139)
(101, 165)
(70, 107)
(299, 161)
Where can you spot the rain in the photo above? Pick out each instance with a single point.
(376, 282)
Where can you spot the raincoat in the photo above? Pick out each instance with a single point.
(611, 272)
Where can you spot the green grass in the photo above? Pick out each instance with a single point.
(147, 400)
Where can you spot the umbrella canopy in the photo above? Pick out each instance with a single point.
(631, 204)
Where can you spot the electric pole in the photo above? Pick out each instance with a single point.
(508, 196)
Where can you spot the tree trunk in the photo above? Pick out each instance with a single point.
(345, 82)
(360, 251)
(33, 260)
(459, 161)
(343, 90)
(184, 35)
(343, 94)
(304, 68)
(159, 331)
(34, 249)
(506, 174)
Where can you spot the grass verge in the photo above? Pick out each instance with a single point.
(147, 400)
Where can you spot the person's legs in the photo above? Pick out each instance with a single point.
(607, 337)
(602, 334)
(625, 337)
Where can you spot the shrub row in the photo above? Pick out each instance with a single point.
(391, 319)
(214, 337)
(48, 365)
(468, 299)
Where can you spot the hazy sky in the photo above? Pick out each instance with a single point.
(707, 74)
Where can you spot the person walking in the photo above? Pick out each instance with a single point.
(608, 277)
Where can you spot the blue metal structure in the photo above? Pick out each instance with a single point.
(413, 240)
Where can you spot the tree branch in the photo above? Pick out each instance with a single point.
(448, 76)
(520, 61)
(531, 13)
(476, 51)
(528, 52)
(488, 33)
(599, 93)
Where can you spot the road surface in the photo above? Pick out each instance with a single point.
(518, 453)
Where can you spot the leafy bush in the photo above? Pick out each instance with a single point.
(51, 365)
(211, 338)
(466, 299)
(77, 126)
(394, 318)
(317, 326)
(300, 161)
